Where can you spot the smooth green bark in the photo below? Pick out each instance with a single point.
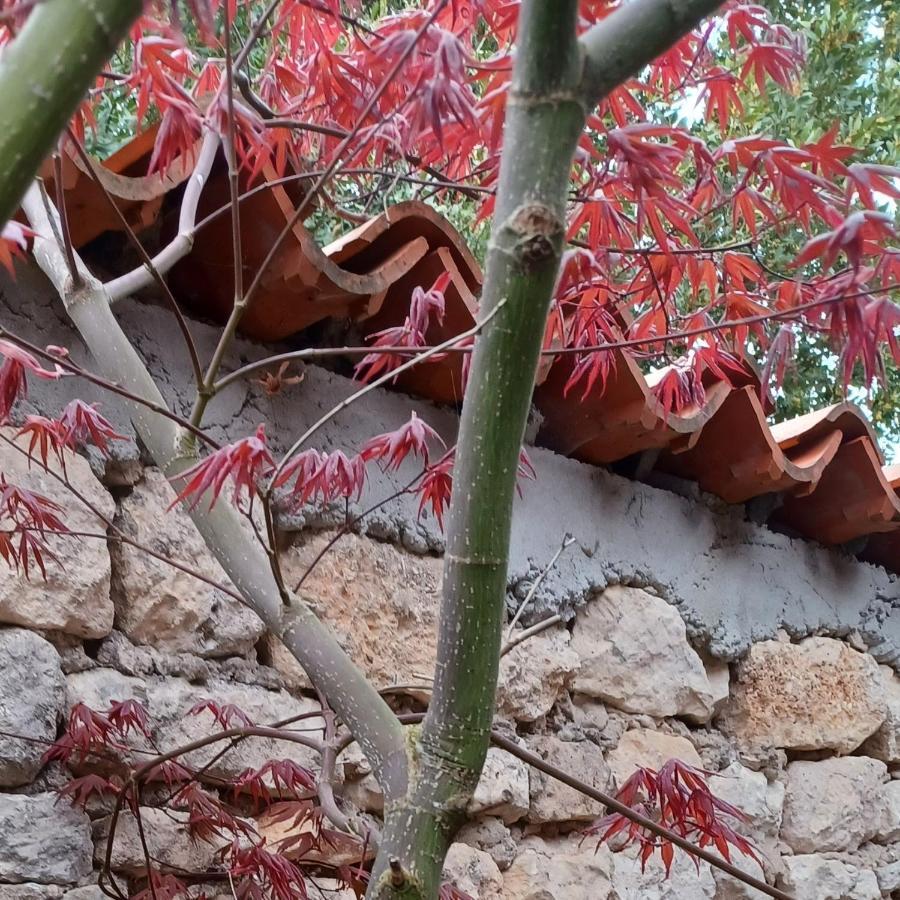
(544, 118)
(44, 74)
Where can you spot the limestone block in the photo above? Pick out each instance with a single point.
(42, 840)
(819, 694)
(553, 801)
(890, 825)
(559, 869)
(534, 674)
(165, 607)
(884, 744)
(635, 656)
(731, 888)
(650, 749)
(74, 598)
(813, 877)
(631, 881)
(503, 787)
(494, 837)
(835, 804)
(168, 701)
(168, 841)
(381, 601)
(474, 872)
(760, 800)
(27, 661)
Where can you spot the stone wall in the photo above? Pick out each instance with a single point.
(804, 736)
(687, 632)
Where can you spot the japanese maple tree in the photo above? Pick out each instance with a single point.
(615, 226)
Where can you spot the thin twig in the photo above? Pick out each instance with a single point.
(526, 633)
(567, 542)
(388, 376)
(256, 31)
(206, 389)
(74, 274)
(237, 312)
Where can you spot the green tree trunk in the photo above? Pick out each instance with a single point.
(44, 74)
(544, 118)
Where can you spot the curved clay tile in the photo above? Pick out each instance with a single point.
(884, 549)
(736, 457)
(439, 380)
(622, 419)
(398, 224)
(124, 174)
(847, 418)
(306, 283)
(853, 498)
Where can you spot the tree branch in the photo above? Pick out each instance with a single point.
(556, 79)
(348, 691)
(620, 45)
(545, 117)
(179, 247)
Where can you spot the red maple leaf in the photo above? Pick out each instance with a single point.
(393, 447)
(245, 462)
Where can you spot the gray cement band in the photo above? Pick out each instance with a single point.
(734, 582)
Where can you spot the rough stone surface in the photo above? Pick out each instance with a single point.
(691, 553)
(553, 801)
(813, 877)
(503, 787)
(49, 892)
(534, 674)
(719, 674)
(162, 606)
(816, 695)
(491, 835)
(285, 663)
(643, 747)
(730, 888)
(760, 800)
(168, 701)
(168, 841)
(651, 883)
(888, 877)
(890, 825)
(884, 744)
(74, 597)
(382, 602)
(635, 656)
(559, 870)
(43, 841)
(474, 872)
(32, 695)
(685, 547)
(835, 804)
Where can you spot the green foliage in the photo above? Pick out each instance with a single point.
(851, 76)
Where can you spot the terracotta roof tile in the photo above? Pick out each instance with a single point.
(825, 469)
